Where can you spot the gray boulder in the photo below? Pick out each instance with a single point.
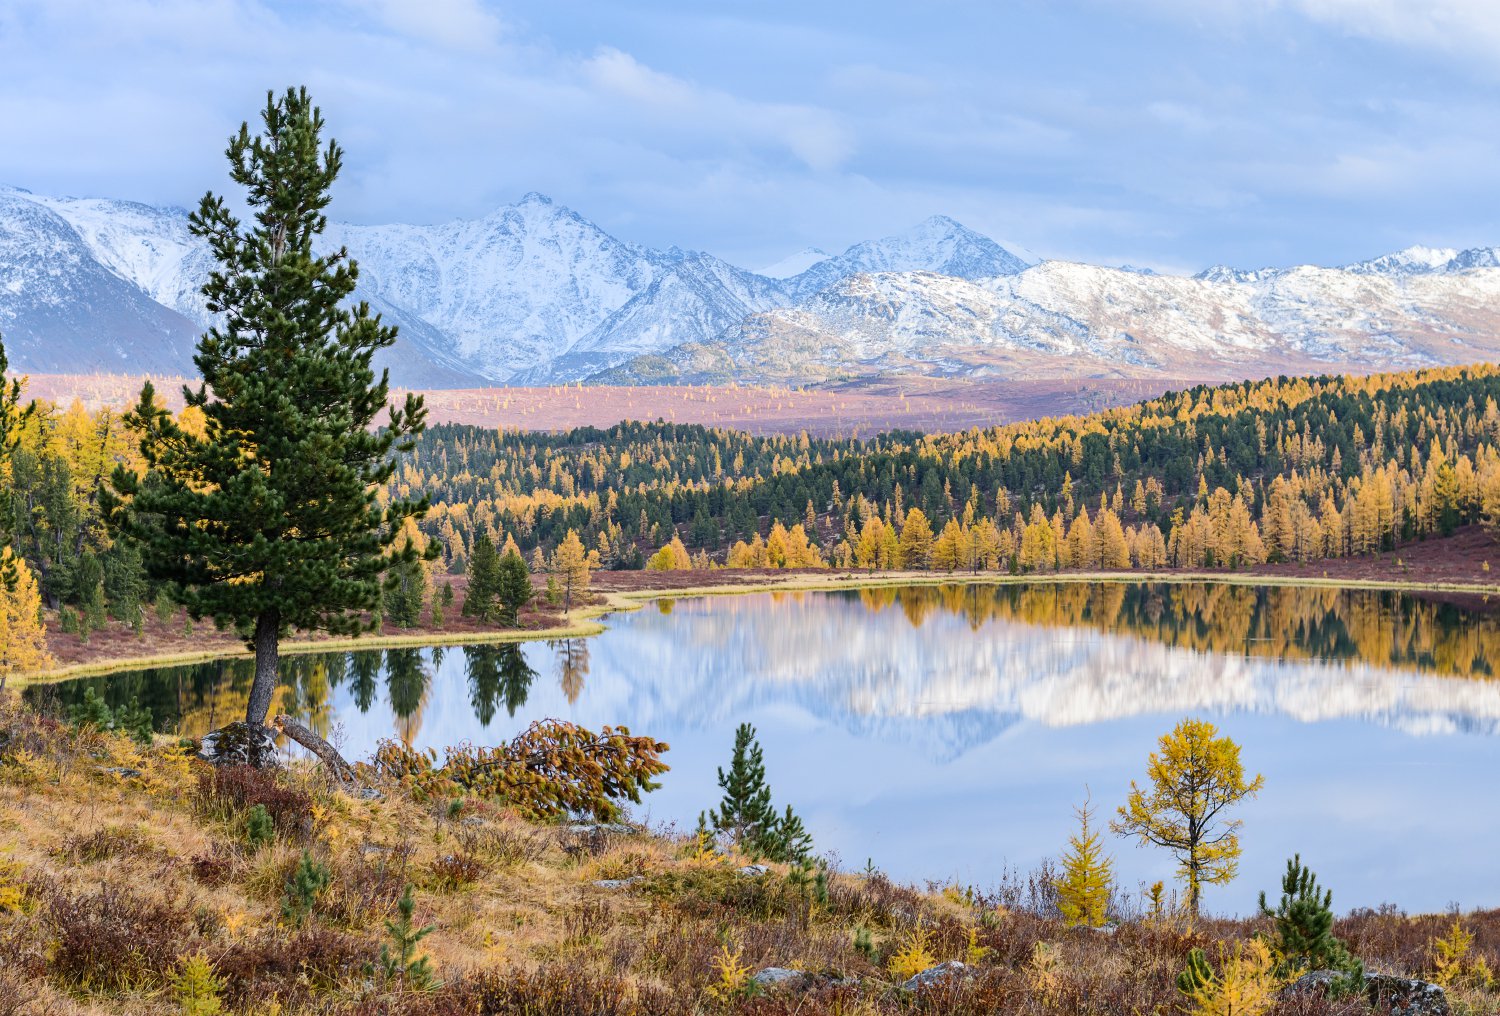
(937, 975)
(239, 744)
(1406, 996)
(776, 977)
(619, 883)
(754, 871)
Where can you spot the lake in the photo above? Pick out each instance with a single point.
(947, 732)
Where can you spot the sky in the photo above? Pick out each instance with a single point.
(1171, 134)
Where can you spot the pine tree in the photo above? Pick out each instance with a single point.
(402, 962)
(786, 840)
(1193, 779)
(1304, 925)
(514, 587)
(745, 813)
(405, 590)
(1083, 890)
(484, 580)
(310, 879)
(268, 519)
(916, 540)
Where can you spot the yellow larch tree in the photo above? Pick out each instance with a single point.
(1083, 891)
(23, 638)
(571, 564)
(916, 540)
(1192, 779)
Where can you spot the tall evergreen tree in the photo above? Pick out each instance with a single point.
(269, 520)
(1083, 891)
(745, 814)
(514, 586)
(484, 580)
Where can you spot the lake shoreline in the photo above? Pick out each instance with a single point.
(641, 588)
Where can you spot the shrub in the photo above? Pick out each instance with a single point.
(453, 872)
(102, 844)
(368, 887)
(228, 791)
(111, 940)
(551, 770)
(197, 988)
(272, 963)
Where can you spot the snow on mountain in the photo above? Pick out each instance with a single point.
(511, 290)
(535, 293)
(693, 300)
(1065, 319)
(937, 244)
(1415, 260)
(794, 264)
(62, 310)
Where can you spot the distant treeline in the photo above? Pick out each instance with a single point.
(1225, 476)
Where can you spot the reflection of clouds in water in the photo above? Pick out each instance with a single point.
(712, 659)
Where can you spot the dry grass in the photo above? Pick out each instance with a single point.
(124, 879)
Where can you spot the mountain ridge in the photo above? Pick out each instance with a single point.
(535, 293)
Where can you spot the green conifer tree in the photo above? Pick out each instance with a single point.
(514, 586)
(405, 588)
(1303, 918)
(745, 814)
(786, 840)
(484, 580)
(269, 520)
(398, 957)
(1083, 890)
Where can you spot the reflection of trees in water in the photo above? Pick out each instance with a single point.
(572, 666)
(497, 674)
(406, 684)
(1287, 622)
(364, 678)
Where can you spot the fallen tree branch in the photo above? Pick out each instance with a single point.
(326, 752)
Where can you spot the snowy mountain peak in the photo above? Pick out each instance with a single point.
(936, 244)
(1413, 260)
(794, 264)
(535, 198)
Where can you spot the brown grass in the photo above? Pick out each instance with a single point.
(123, 880)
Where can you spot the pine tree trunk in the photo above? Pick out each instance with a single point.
(267, 663)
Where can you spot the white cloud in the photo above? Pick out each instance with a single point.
(456, 24)
(815, 136)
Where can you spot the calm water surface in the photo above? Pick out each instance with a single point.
(946, 733)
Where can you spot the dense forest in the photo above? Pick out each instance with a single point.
(1283, 469)
(1226, 476)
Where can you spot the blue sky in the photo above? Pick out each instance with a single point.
(1166, 133)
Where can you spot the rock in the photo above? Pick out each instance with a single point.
(1405, 996)
(937, 975)
(239, 744)
(776, 977)
(619, 883)
(120, 771)
(588, 828)
(755, 871)
(366, 793)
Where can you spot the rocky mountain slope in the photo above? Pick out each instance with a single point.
(534, 293)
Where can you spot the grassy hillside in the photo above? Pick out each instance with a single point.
(130, 883)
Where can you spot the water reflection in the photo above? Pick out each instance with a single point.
(946, 730)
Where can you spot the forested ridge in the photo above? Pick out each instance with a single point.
(1214, 476)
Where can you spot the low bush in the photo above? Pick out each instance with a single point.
(227, 792)
(114, 940)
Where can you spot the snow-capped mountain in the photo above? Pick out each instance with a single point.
(1065, 319)
(535, 293)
